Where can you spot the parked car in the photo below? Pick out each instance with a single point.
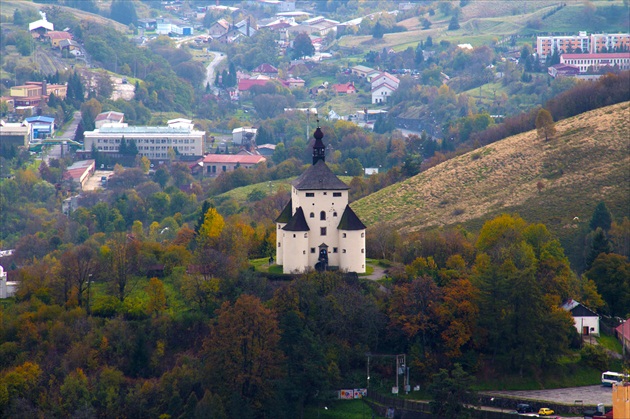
(545, 411)
(524, 408)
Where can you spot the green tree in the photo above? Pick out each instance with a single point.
(601, 217)
(123, 11)
(450, 391)
(611, 274)
(544, 124)
(302, 46)
(453, 24)
(89, 111)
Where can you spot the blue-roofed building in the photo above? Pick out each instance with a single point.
(41, 127)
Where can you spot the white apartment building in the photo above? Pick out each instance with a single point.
(587, 62)
(152, 142)
(584, 43)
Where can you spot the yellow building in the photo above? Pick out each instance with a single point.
(621, 400)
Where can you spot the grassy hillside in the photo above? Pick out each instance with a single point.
(587, 162)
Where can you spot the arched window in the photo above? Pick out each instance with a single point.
(312, 215)
(322, 215)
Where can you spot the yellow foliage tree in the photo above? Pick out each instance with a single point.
(157, 297)
(211, 228)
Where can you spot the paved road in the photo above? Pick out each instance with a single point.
(590, 395)
(218, 57)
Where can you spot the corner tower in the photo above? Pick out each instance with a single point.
(317, 228)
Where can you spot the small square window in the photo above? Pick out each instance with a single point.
(312, 250)
(362, 234)
(305, 235)
(312, 215)
(279, 244)
(334, 250)
(343, 235)
(294, 236)
(336, 194)
(334, 214)
(322, 231)
(343, 251)
(362, 250)
(310, 194)
(325, 193)
(303, 252)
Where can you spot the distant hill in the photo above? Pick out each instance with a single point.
(587, 162)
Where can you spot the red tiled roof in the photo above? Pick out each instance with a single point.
(384, 84)
(58, 35)
(344, 88)
(596, 56)
(233, 158)
(246, 84)
(265, 68)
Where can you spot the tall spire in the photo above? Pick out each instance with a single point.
(319, 149)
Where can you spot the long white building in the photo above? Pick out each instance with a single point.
(317, 229)
(581, 43)
(152, 142)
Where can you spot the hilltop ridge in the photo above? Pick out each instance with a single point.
(544, 181)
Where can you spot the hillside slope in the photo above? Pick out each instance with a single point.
(587, 162)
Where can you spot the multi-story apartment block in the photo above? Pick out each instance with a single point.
(582, 43)
(152, 142)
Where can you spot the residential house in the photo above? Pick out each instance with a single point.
(586, 321)
(220, 28)
(344, 88)
(385, 78)
(215, 164)
(266, 69)
(110, 117)
(382, 92)
(293, 82)
(70, 45)
(57, 36)
(41, 126)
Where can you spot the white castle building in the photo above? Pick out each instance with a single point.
(317, 229)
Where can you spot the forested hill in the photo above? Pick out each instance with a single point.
(543, 181)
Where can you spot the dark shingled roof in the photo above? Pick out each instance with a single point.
(285, 215)
(319, 177)
(297, 222)
(350, 221)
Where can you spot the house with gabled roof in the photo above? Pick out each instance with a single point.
(266, 69)
(110, 117)
(317, 229)
(385, 77)
(362, 71)
(219, 28)
(381, 92)
(586, 321)
(57, 36)
(344, 88)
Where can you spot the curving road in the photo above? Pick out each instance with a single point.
(217, 58)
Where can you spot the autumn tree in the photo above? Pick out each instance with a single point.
(211, 228)
(242, 352)
(157, 297)
(120, 255)
(545, 125)
(77, 266)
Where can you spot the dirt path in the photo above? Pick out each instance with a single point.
(217, 58)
